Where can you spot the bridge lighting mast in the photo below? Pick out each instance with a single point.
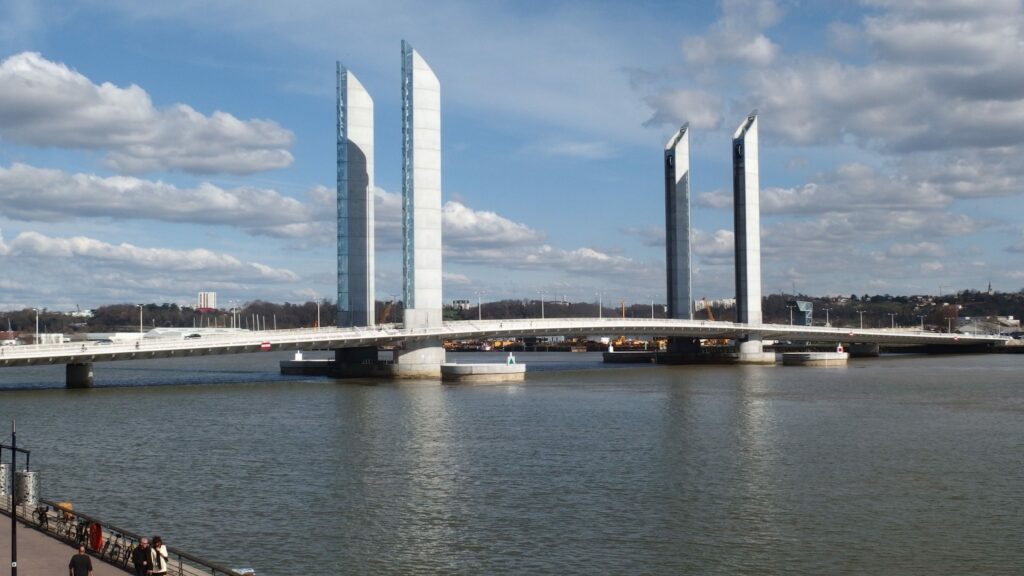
(677, 242)
(421, 214)
(356, 301)
(746, 190)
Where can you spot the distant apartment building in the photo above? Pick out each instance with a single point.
(206, 301)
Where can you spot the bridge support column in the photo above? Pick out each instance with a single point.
(751, 351)
(355, 362)
(864, 350)
(419, 359)
(680, 351)
(78, 375)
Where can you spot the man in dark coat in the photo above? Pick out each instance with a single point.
(81, 564)
(141, 558)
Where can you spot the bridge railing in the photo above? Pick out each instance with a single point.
(242, 338)
(73, 527)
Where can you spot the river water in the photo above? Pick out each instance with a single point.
(895, 465)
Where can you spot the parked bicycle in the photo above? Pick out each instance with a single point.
(42, 516)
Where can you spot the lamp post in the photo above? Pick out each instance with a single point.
(541, 292)
(827, 323)
(14, 510)
(652, 307)
(600, 305)
(949, 325)
(479, 305)
(790, 306)
(37, 328)
(892, 317)
(317, 311)
(140, 318)
(861, 312)
(921, 316)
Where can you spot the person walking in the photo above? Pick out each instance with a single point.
(81, 564)
(158, 565)
(142, 558)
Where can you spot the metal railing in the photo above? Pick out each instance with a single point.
(75, 528)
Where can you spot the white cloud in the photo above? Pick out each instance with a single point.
(716, 248)
(673, 107)
(44, 103)
(464, 226)
(39, 246)
(586, 150)
(44, 270)
(29, 193)
(737, 35)
(917, 250)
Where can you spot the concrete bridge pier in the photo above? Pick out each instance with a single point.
(78, 375)
(864, 350)
(751, 351)
(419, 359)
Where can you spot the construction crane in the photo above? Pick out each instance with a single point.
(385, 313)
(707, 309)
(711, 316)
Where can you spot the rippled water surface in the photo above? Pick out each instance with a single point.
(889, 466)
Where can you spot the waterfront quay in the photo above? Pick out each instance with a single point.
(40, 555)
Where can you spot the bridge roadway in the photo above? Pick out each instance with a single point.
(328, 338)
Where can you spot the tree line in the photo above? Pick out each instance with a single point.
(877, 311)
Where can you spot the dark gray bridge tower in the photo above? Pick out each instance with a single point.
(677, 240)
(746, 193)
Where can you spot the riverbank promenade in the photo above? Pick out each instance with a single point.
(41, 555)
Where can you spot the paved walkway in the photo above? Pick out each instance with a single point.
(41, 555)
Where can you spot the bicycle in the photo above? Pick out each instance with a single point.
(42, 515)
(126, 558)
(112, 549)
(82, 532)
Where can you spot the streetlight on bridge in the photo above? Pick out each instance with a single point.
(140, 318)
(921, 316)
(600, 305)
(861, 312)
(827, 323)
(892, 317)
(541, 292)
(479, 305)
(790, 306)
(37, 325)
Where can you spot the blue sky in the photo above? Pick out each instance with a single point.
(152, 150)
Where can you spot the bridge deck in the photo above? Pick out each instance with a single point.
(41, 555)
(246, 341)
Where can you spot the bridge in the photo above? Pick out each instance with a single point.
(418, 338)
(390, 334)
